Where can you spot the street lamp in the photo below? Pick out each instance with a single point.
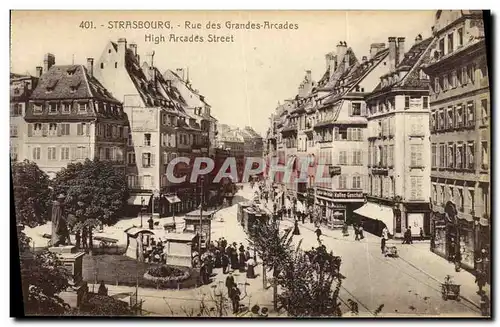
(202, 179)
(142, 208)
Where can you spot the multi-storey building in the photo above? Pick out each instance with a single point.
(72, 117)
(398, 187)
(160, 129)
(21, 87)
(340, 130)
(233, 145)
(460, 136)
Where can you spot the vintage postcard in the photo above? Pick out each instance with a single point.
(251, 164)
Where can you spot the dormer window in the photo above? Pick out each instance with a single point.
(65, 108)
(37, 108)
(71, 71)
(52, 108)
(82, 107)
(73, 89)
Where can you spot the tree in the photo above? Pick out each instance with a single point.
(274, 247)
(96, 192)
(31, 193)
(311, 283)
(43, 277)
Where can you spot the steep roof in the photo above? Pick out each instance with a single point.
(70, 82)
(412, 58)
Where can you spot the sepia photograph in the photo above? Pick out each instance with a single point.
(251, 164)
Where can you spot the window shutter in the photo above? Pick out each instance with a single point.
(141, 181)
(349, 134)
(349, 108)
(152, 159)
(30, 130)
(87, 129)
(73, 153)
(363, 109)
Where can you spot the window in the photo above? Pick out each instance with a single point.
(436, 85)
(147, 139)
(485, 159)
(460, 199)
(356, 182)
(390, 156)
(131, 158)
(417, 126)
(434, 193)
(451, 155)
(37, 153)
(370, 154)
(486, 199)
(65, 153)
(446, 82)
(13, 130)
(416, 155)
(116, 65)
(357, 158)
(64, 129)
(343, 158)
(449, 118)
(471, 72)
(441, 47)
(82, 152)
(51, 153)
(450, 43)
(132, 181)
(81, 129)
(433, 156)
(484, 111)
(129, 140)
(37, 108)
(341, 134)
(355, 109)
(442, 156)
(425, 102)
(459, 156)
(82, 107)
(459, 114)
(16, 109)
(147, 182)
(416, 186)
(454, 81)
(102, 64)
(342, 181)
(463, 76)
(107, 154)
(384, 158)
(460, 37)
(407, 102)
(470, 114)
(13, 153)
(147, 159)
(52, 129)
(470, 162)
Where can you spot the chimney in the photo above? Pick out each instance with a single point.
(180, 72)
(309, 75)
(150, 59)
(418, 38)
(375, 48)
(331, 62)
(39, 71)
(90, 66)
(122, 45)
(401, 49)
(133, 47)
(392, 53)
(48, 61)
(341, 50)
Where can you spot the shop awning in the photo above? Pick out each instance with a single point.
(378, 212)
(173, 199)
(135, 200)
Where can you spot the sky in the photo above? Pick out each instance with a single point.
(242, 80)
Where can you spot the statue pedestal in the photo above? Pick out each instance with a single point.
(72, 261)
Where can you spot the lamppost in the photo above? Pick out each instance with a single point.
(142, 208)
(202, 179)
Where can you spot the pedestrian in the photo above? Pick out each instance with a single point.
(385, 233)
(480, 281)
(410, 237)
(405, 237)
(345, 229)
(218, 258)
(223, 243)
(103, 290)
(318, 234)
(235, 299)
(230, 282)
(203, 273)
(241, 261)
(241, 248)
(356, 233)
(303, 217)
(361, 235)
(382, 244)
(421, 234)
(251, 268)
(247, 253)
(485, 305)
(225, 263)
(296, 230)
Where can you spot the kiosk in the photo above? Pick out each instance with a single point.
(135, 235)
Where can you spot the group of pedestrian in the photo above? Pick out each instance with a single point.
(358, 231)
(233, 257)
(383, 240)
(407, 236)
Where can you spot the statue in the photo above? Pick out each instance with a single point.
(60, 233)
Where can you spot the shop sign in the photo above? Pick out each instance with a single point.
(334, 170)
(347, 195)
(324, 193)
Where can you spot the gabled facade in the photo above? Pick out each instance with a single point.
(398, 143)
(71, 116)
(21, 87)
(460, 136)
(160, 129)
(340, 131)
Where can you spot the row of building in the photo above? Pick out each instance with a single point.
(403, 133)
(119, 109)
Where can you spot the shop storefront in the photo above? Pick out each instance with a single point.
(336, 207)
